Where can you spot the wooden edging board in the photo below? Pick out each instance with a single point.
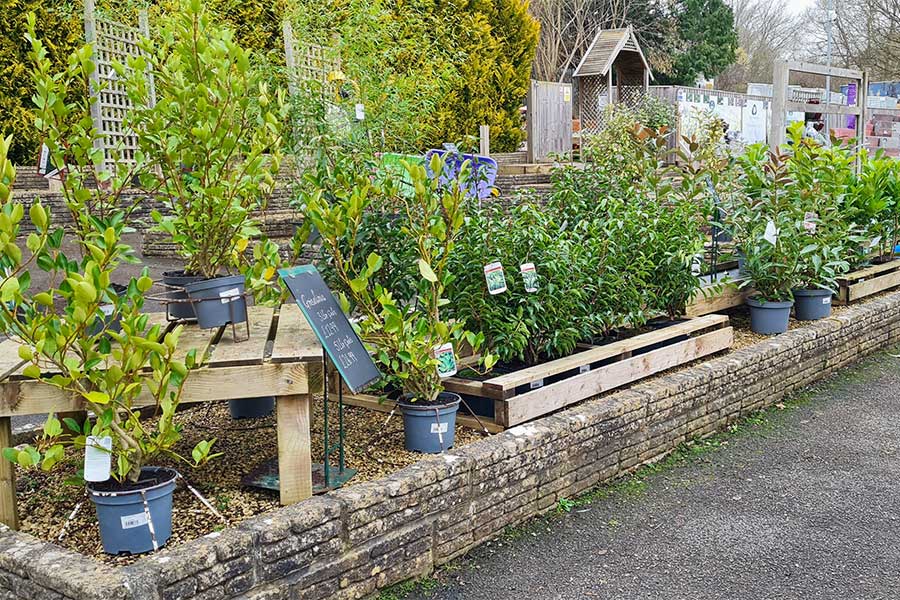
(711, 334)
(866, 282)
(708, 300)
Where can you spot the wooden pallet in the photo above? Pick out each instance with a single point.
(594, 370)
(866, 282)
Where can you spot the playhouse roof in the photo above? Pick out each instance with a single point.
(605, 49)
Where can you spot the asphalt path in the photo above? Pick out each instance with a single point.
(804, 505)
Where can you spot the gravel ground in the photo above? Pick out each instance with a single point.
(804, 504)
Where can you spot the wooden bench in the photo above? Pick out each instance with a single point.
(282, 358)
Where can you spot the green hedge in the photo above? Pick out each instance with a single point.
(61, 29)
(453, 64)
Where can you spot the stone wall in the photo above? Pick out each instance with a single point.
(349, 543)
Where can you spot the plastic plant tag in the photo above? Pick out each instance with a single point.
(533, 385)
(97, 458)
(826, 300)
(809, 222)
(529, 277)
(446, 366)
(496, 280)
(229, 295)
(440, 428)
(771, 234)
(584, 369)
(360, 112)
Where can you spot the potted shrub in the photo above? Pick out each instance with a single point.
(213, 137)
(409, 337)
(765, 229)
(113, 373)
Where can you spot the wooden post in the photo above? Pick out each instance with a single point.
(779, 101)
(9, 515)
(484, 136)
(609, 87)
(288, 33)
(90, 36)
(294, 460)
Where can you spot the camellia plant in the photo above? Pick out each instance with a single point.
(69, 344)
(403, 332)
(214, 133)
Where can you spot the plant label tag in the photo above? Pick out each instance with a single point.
(496, 280)
(533, 385)
(229, 295)
(584, 369)
(97, 458)
(826, 300)
(567, 94)
(809, 222)
(529, 277)
(440, 427)
(135, 520)
(360, 112)
(446, 366)
(771, 233)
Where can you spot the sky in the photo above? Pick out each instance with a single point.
(798, 6)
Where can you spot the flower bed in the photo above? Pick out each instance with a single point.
(350, 542)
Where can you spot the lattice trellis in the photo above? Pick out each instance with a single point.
(309, 62)
(113, 41)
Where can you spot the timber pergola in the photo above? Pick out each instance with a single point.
(781, 103)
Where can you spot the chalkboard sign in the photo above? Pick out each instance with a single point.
(331, 326)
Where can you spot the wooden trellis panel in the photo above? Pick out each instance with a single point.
(113, 41)
(308, 62)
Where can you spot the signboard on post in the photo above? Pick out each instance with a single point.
(330, 324)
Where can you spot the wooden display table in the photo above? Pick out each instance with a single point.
(282, 358)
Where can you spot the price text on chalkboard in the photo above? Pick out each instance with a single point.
(331, 326)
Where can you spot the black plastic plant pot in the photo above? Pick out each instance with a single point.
(769, 318)
(128, 525)
(812, 305)
(175, 282)
(251, 408)
(429, 427)
(110, 321)
(218, 301)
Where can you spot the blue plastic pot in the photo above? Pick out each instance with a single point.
(124, 527)
(768, 318)
(430, 429)
(251, 408)
(218, 301)
(811, 305)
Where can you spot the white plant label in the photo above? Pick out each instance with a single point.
(771, 233)
(135, 520)
(536, 384)
(229, 295)
(360, 112)
(97, 458)
(440, 427)
(826, 300)
(496, 280)
(529, 277)
(584, 369)
(809, 222)
(446, 366)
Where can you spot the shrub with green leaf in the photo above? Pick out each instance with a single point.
(403, 333)
(214, 135)
(112, 371)
(518, 324)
